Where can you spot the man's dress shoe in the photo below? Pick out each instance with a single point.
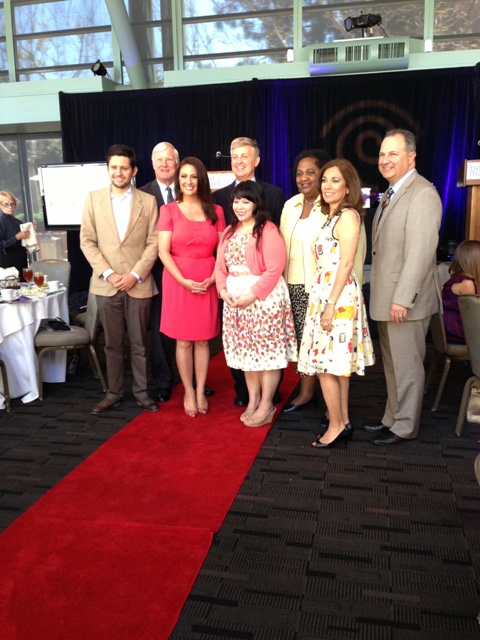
(147, 404)
(374, 428)
(164, 395)
(388, 439)
(105, 405)
(240, 401)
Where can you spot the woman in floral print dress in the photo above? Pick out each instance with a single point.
(258, 328)
(336, 340)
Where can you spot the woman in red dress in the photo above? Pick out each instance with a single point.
(188, 233)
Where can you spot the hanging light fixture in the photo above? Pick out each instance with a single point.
(98, 69)
(364, 21)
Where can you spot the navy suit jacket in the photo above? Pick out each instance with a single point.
(275, 200)
(153, 189)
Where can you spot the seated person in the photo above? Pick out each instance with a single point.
(465, 279)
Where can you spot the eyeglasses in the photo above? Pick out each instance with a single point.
(10, 205)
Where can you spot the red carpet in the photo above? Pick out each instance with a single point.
(112, 551)
(64, 580)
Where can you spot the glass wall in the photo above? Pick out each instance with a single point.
(221, 33)
(324, 22)
(19, 160)
(456, 25)
(152, 26)
(62, 38)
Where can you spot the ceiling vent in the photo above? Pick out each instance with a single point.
(363, 55)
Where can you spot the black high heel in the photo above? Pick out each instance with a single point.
(346, 434)
(348, 426)
(325, 422)
(290, 407)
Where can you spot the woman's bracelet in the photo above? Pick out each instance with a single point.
(330, 302)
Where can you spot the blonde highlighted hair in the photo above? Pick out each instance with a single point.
(9, 194)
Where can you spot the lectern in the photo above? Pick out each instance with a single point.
(469, 176)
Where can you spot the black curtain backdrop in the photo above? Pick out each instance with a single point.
(347, 116)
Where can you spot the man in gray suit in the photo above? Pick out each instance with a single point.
(404, 288)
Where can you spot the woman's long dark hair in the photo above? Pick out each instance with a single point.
(204, 193)
(252, 192)
(354, 198)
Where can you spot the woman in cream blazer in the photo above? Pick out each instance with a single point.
(299, 224)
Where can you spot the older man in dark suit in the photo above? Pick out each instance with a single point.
(245, 157)
(404, 288)
(165, 160)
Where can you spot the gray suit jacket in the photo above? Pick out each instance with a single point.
(103, 249)
(404, 252)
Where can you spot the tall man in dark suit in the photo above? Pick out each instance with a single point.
(404, 287)
(118, 236)
(245, 157)
(165, 160)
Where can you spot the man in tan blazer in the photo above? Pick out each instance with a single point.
(119, 239)
(404, 288)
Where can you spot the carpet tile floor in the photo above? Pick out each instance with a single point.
(356, 542)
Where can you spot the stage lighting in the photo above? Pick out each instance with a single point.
(364, 21)
(98, 69)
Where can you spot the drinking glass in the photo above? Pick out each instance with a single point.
(38, 278)
(28, 274)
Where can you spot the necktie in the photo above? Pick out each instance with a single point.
(169, 195)
(385, 203)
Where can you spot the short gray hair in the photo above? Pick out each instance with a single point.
(161, 146)
(245, 142)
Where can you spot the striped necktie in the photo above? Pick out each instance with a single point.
(385, 203)
(169, 195)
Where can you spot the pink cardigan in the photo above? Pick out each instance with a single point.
(268, 261)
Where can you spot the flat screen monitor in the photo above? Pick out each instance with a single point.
(64, 190)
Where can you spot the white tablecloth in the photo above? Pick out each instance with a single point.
(19, 322)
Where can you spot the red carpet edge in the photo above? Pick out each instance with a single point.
(113, 550)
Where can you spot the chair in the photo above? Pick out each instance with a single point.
(443, 271)
(55, 270)
(442, 348)
(476, 467)
(470, 312)
(81, 318)
(6, 392)
(76, 338)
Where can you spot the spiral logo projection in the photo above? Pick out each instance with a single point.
(356, 132)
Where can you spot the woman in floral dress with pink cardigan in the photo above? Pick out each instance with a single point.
(258, 329)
